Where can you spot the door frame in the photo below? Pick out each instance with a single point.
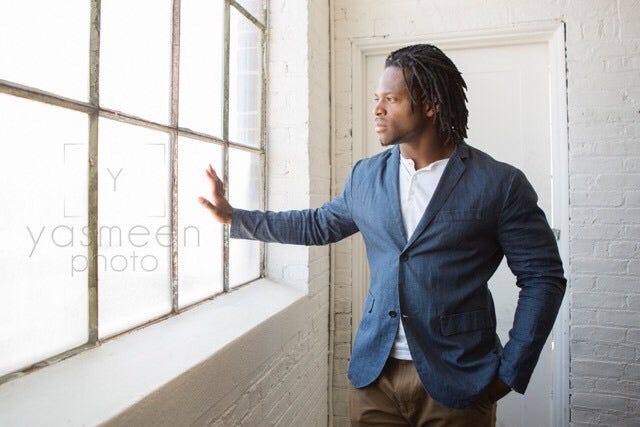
(550, 32)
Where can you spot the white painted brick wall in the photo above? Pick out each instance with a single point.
(299, 177)
(603, 63)
(298, 132)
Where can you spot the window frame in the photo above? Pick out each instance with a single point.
(94, 111)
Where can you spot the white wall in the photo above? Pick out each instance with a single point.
(276, 374)
(603, 71)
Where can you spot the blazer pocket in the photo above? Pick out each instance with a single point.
(451, 324)
(461, 215)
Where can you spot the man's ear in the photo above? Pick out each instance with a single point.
(430, 109)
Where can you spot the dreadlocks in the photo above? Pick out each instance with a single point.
(432, 78)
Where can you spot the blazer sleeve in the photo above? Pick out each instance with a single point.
(329, 223)
(532, 255)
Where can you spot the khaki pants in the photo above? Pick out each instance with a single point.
(397, 398)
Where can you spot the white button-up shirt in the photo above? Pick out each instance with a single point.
(416, 190)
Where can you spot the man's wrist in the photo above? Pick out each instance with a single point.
(498, 389)
(495, 391)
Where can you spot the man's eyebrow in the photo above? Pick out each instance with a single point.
(384, 93)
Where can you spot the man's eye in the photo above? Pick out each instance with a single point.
(390, 99)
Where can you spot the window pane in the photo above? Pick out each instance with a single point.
(244, 81)
(201, 65)
(200, 272)
(134, 226)
(43, 261)
(254, 7)
(245, 192)
(135, 57)
(45, 44)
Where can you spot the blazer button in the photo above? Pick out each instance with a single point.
(392, 313)
(404, 257)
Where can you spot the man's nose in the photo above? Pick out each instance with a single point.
(377, 108)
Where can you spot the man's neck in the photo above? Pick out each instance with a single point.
(424, 153)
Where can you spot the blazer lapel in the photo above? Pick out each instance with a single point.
(452, 173)
(391, 187)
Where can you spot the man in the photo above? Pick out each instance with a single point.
(437, 216)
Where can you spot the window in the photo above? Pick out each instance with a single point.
(111, 111)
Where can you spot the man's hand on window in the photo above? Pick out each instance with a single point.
(219, 207)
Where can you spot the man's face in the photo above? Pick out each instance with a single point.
(395, 122)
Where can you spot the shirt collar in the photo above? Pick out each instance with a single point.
(411, 167)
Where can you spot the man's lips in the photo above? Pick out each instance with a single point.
(380, 127)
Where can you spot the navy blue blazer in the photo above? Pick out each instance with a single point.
(436, 281)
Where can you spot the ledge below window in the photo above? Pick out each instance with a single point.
(94, 386)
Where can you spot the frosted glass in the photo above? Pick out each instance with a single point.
(43, 258)
(134, 226)
(201, 66)
(245, 192)
(135, 57)
(254, 7)
(45, 44)
(200, 256)
(244, 81)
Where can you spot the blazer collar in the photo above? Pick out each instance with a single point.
(392, 188)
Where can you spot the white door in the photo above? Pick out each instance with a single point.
(508, 92)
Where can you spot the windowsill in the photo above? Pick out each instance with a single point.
(94, 386)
